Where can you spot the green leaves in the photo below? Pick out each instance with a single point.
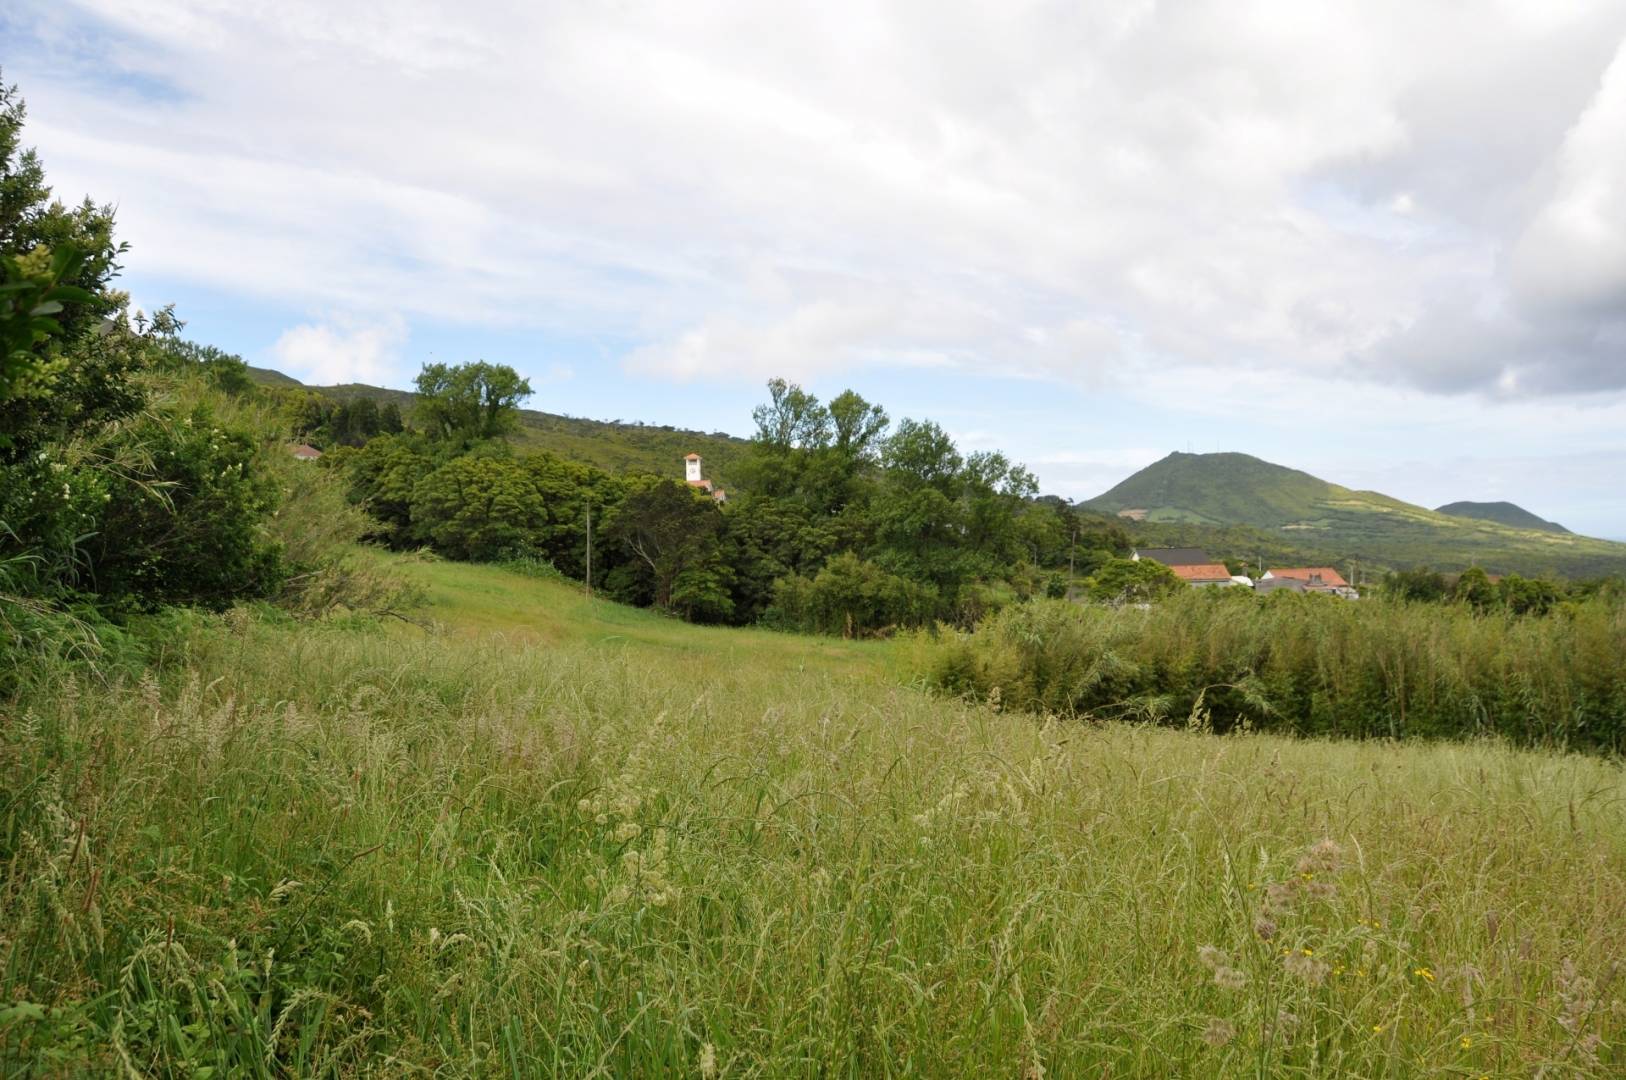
(466, 403)
(33, 291)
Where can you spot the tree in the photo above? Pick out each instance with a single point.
(669, 528)
(1529, 596)
(1128, 581)
(1419, 583)
(467, 403)
(479, 508)
(859, 427)
(793, 419)
(384, 475)
(768, 539)
(389, 419)
(1475, 589)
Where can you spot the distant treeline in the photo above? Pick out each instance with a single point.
(843, 523)
(1307, 665)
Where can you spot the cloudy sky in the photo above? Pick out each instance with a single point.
(1384, 242)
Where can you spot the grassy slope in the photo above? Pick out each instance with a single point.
(611, 445)
(1504, 512)
(1365, 526)
(549, 837)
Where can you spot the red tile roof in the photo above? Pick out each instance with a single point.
(691, 457)
(1309, 575)
(1202, 572)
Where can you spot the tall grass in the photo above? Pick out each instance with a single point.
(1307, 665)
(323, 848)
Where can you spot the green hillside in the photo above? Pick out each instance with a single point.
(615, 446)
(1505, 513)
(1195, 490)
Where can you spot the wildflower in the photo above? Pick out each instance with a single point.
(1377, 1029)
(1219, 1032)
(1265, 927)
(1305, 967)
(1465, 1042)
(1230, 978)
(1325, 857)
(1307, 952)
(1424, 973)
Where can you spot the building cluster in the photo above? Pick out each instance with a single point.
(1195, 568)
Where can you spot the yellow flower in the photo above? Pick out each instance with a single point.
(1424, 974)
(1377, 1029)
(1307, 952)
(1465, 1042)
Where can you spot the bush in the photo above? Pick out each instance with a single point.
(191, 532)
(851, 597)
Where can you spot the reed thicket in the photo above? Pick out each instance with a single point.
(1306, 665)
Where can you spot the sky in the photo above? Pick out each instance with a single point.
(1380, 241)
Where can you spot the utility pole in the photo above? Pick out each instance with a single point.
(1071, 552)
(587, 586)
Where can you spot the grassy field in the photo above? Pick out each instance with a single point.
(543, 836)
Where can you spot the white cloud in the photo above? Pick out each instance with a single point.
(754, 191)
(1322, 221)
(342, 350)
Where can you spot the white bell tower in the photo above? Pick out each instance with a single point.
(691, 468)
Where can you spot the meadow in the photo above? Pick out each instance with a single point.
(532, 834)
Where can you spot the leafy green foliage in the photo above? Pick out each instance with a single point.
(190, 531)
(31, 299)
(478, 508)
(672, 530)
(468, 403)
(1128, 581)
(850, 597)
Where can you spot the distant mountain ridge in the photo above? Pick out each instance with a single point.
(1504, 512)
(1365, 526)
(612, 445)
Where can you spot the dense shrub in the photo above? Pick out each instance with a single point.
(849, 596)
(1309, 665)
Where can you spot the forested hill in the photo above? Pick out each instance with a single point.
(613, 445)
(1366, 526)
(1505, 513)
